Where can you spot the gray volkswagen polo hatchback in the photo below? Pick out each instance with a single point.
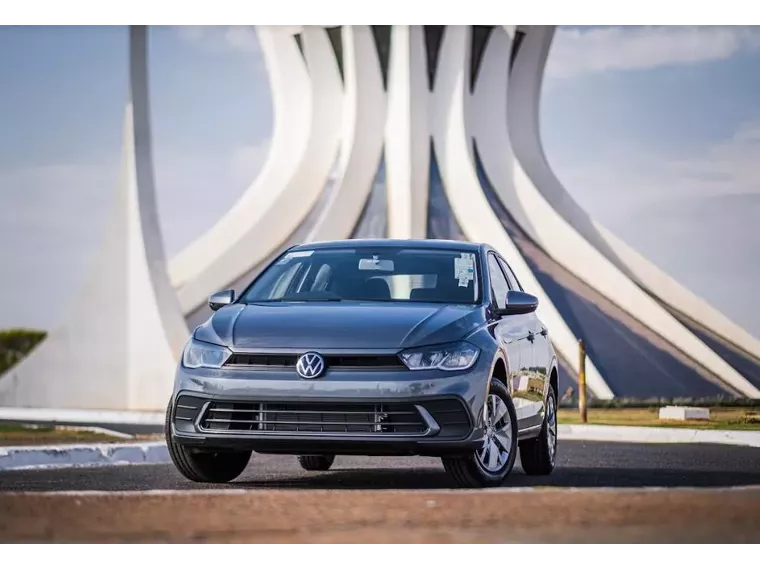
(370, 347)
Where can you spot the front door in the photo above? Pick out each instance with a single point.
(512, 333)
(533, 372)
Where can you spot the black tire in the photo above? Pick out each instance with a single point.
(538, 455)
(201, 465)
(467, 471)
(318, 462)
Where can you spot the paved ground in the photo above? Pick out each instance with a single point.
(579, 465)
(373, 516)
(400, 500)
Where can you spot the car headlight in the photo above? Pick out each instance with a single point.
(448, 357)
(201, 354)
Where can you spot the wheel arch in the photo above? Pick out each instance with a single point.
(499, 369)
(553, 382)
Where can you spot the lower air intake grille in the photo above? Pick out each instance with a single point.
(379, 418)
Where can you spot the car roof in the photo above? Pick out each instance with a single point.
(410, 243)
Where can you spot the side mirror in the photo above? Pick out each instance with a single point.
(219, 299)
(519, 302)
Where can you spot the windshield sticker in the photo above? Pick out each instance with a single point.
(294, 255)
(464, 268)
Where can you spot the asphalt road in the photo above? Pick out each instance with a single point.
(579, 464)
(400, 500)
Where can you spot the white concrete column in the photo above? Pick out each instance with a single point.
(119, 344)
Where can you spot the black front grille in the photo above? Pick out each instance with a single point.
(305, 417)
(362, 361)
(262, 360)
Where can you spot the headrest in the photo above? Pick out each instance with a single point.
(376, 289)
(422, 294)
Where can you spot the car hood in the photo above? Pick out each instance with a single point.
(338, 325)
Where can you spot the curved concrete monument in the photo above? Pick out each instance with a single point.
(387, 131)
(119, 345)
(461, 157)
(308, 102)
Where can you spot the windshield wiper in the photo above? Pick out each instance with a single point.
(312, 299)
(298, 299)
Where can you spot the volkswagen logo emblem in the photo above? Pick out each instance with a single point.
(310, 365)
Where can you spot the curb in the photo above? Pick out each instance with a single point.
(615, 434)
(76, 455)
(81, 416)
(27, 457)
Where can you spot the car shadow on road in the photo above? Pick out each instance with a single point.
(563, 477)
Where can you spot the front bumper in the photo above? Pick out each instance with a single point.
(344, 412)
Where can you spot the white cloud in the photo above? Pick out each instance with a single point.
(221, 38)
(293, 29)
(575, 51)
(191, 33)
(725, 167)
(633, 180)
(582, 51)
(695, 218)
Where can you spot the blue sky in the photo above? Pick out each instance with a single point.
(655, 131)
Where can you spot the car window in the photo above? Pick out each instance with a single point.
(514, 284)
(499, 285)
(391, 274)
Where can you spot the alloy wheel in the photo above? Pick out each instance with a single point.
(551, 428)
(497, 443)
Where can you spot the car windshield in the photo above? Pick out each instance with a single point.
(389, 274)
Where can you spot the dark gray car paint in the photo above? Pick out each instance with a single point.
(514, 341)
(348, 325)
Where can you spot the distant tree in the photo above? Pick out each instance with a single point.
(15, 344)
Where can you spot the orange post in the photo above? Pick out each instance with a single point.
(582, 381)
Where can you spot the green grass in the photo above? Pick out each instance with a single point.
(15, 344)
(23, 435)
(723, 418)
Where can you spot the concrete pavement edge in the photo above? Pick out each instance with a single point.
(26, 457)
(673, 435)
